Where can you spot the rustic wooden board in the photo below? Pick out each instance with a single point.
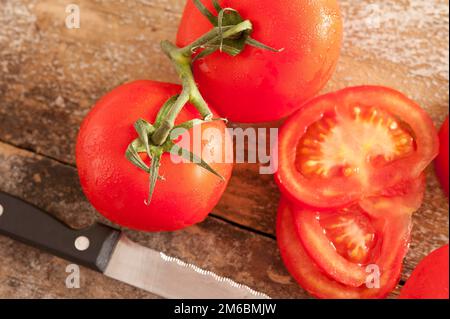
(50, 77)
(215, 245)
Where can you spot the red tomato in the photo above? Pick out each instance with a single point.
(259, 85)
(357, 143)
(442, 159)
(117, 189)
(430, 279)
(319, 282)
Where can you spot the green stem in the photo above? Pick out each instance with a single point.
(208, 37)
(163, 131)
(182, 60)
(190, 92)
(183, 65)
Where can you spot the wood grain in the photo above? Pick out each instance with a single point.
(50, 77)
(214, 245)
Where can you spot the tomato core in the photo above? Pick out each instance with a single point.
(351, 233)
(328, 150)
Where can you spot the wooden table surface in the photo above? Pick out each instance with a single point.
(50, 77)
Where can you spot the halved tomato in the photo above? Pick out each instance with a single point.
(318, 282)
(353, 144)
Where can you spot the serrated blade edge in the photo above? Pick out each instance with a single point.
(171, 277)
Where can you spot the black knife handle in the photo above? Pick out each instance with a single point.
(91, 247)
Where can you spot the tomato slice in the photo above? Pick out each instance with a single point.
(353, 144)
(404, 198)
(344, 241)
(318, 282)
(430, 279)
(340, 242)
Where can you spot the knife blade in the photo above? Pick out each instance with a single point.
(170, 277)
(107, 250)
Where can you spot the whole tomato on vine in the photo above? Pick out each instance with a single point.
(257, 85)
(185, 193)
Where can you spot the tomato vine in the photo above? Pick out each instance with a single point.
(230, 34)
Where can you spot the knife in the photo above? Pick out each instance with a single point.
(108, 251)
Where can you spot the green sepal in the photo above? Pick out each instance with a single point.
(154, 172)
(144, 130)
(142, 144)
(207, 51)
(259, 45)
(155, 154)
(132, 154)
(226, 17)
(231, 46)
(229, 19)
(201, 7)
(216, 5)
(175, 149)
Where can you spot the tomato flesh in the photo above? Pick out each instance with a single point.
(404, 198)
(353, 144)
(338, 242)
(342, 242)
(318, 282)
(351, 233)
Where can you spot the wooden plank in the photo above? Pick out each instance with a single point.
(46, 89)
(50, 77)
(213, 245)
